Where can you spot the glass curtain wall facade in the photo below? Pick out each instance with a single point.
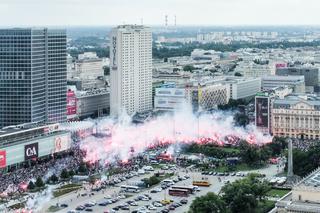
(32, 76)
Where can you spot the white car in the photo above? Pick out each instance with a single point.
(151, 207)
(157, 204)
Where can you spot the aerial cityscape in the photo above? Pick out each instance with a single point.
(144, 106)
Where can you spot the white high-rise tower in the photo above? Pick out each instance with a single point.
(130, 69)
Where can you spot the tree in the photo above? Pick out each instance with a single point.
(71, 173)
(188, 68)
(237, 74)
(243, 195)
(207, 204)
(82, 168)
(64, 174)
(106, 70)
(31, 185)
(54, 178)
(241, 119)
(39, 182)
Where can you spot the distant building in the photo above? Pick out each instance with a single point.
(272, 81)
(311, 76)
(130, 69)
(169, 99)
(206, 97)
(91, 103)
(33, 72)
(304, 197)
(263, 107)
(28, 142)
(296, 116)
(242, 88)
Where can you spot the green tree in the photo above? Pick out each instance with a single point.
(209, 203)
(64, 174)
(39, 182)
(71, 173)
(241, 119)
(243, 195)
(82, 168)
(54, 178)
(106, 70)
(188, 68)
(31, 185)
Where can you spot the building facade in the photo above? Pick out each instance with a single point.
(311, 76)
(272, 81)
(33, 74)
(130, 69)
(304, 197)
(296, 117)
(169, 99)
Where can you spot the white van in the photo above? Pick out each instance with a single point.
(168, 182)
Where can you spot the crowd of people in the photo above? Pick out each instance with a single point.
(16, 179)
(304, 145)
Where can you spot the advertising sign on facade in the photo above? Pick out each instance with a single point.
(262, 112)
(61, 143)
(71, 103)
(3, 159)
(281, 65)
(114, 53)
(31, 151)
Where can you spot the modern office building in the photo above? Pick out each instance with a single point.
(311, 76)
(169, 99)
(242, 88)
(272, 81)
(206, 97)
(296, 116)
(33, 74)
(131, 69)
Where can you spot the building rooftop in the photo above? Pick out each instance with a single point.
(296, 98)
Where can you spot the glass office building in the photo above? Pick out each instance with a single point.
(33, 75)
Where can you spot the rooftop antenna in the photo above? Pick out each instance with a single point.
(175, 21)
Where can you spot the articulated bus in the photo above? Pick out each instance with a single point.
(179, 192)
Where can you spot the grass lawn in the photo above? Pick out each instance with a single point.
(61, 192)
(277, 192)
(266, 206)
(54, 208)
(71, 185)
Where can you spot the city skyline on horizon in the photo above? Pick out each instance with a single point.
(117, 12)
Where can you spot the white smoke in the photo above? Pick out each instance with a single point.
(37, 201)
(181, 127)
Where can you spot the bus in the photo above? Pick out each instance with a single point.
(201, 183)
(134, 189)
(190, 189)
(179, 192)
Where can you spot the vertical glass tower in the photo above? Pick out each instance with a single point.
(33, 74)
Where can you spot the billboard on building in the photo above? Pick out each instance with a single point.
(281, 65)
(71, 103)
(3, 159)
(31, 151)
(262, 112)
(61, 143)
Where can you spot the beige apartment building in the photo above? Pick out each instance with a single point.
(296, 116)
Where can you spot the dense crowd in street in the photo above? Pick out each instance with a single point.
(304, 145)
(17, 179)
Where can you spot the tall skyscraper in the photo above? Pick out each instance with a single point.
(32, 76)
(131, 69)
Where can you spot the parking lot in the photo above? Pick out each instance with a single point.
(147, 200)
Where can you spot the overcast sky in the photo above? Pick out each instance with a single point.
(188, 12)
